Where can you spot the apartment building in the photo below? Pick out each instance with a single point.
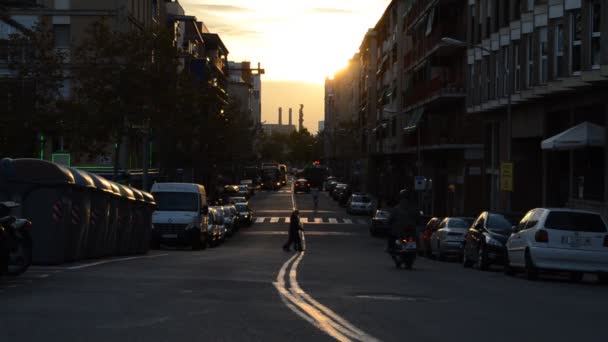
(536, 68)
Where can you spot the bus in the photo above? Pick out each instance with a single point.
(283, 173)
(271, 178)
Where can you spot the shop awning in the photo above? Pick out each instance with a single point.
(583, 135)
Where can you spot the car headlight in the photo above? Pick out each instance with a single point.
(493, 242)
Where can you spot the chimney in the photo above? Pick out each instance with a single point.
(290, 122)
(280, 116)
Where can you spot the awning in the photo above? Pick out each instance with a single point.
(414, 119)
(583, 135)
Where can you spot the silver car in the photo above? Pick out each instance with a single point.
(448, 239)
(360, 204)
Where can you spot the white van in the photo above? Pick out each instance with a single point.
(181, 216)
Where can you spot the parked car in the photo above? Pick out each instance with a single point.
(424, 239)
(345, 195)
(230, 219)
(360, 203)
(235, 200)
(245, 214)
(229, 191)
(330, 185)
(448, 239)
(569, 240)
(301, 185)
(380, 223)
(335, 193)
(181, 215)
(217, 226)
(245, 191)
(485, 241)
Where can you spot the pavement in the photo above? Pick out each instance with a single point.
(343, 287)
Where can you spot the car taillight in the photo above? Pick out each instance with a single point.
(606, 241)
(28, 225)
(308, 184)
(541, 236)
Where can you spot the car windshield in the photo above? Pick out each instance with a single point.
(176, 201)
(218, 216)
(361, 199)
(498, 222)
(460, 223)
(242, 208)
(573, 221)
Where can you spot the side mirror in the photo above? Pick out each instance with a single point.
(205, 210)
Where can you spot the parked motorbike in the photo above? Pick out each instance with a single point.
(15, 242)
(403, 252)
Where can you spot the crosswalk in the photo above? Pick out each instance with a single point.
(314, 220)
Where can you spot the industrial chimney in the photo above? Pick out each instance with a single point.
(290, 122)
(280, 116)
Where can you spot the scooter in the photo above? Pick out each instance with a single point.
(404, 252)
(15, 242)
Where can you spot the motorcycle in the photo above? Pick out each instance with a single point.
(15, 242)
(403, 252)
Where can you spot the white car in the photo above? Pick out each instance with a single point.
(360, 204)
(448, 239)
(559, 239)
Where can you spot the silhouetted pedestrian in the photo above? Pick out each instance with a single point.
(294, 232)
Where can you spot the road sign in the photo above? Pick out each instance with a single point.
(419, 183)
(506, 177)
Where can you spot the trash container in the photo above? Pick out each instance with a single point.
(110, 245)
(77, 228)
(147, 222)
(125, 227)
(44, 191)
(138, 209)
(99, 220)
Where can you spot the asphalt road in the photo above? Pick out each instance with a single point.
(342, 288)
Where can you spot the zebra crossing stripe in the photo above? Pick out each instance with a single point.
(347, 221)
(274, 220)
(288, 220)
(260, 220)
(313, 220)
(333, 220)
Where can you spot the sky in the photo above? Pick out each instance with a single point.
(298, 43)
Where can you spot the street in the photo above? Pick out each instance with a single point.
(343, 287)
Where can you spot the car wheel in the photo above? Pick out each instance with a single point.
(441, 256)
(466, 263)
(154, 244)
(602, 277)
(576, 276)
(508, 270)
(531, 270)
(482, 259)
(205, 243)
(196, 243)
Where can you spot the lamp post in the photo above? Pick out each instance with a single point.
(455, 42)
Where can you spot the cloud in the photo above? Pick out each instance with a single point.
(222, 8)
(329, 11)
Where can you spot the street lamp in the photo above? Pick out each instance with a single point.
(455, 42)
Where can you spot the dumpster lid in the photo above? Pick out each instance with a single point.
(138, 195)
(149, 198)
(34, 171)
(126, 192)
(82, 178)
(101, 183)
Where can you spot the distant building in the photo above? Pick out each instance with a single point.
(246, 85)
(321, 126)
(279, 128)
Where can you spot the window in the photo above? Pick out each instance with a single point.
(522, 224)
(533, 219)
(61, 34)
(576, 24)
(529, 61)
(488, 17)
(506, 12)
(517, 80)
(517, 10)
(505, 78)
(543, 62)
(529, 5)
(497, 75)
(558, 55)
(595, 15)
(575, 221)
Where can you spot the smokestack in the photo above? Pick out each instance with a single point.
(290, 122)
(280, 116)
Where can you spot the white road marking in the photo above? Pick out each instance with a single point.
(333, 220)
(308, 232)
(78, 267)
(274, 220)
(347, 221)
(288, 220)
(260, 220)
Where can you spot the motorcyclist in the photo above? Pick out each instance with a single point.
(404, 218)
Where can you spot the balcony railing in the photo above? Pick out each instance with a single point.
(435, 87)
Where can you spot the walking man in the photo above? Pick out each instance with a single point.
(294, 232)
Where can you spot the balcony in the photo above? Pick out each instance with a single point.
(434, 89)
(418, 8)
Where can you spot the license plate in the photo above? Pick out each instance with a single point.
(170, 236)
(576, 241)
(409, 245)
